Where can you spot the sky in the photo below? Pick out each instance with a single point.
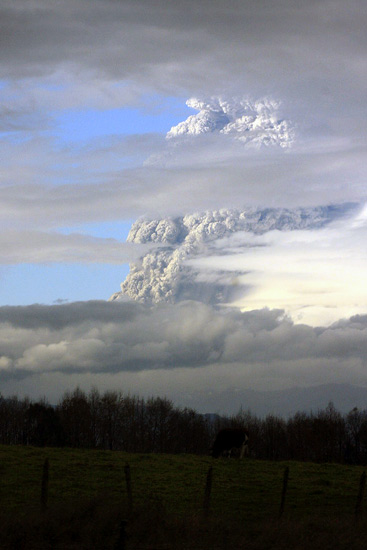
(115, 110)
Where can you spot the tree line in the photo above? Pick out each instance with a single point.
(128, 423)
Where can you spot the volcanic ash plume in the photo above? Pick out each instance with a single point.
(165, 275)
(251, 122)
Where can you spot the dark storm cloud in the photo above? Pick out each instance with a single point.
(97, 337)
(171, 43)
(61, 316)
(105, 37)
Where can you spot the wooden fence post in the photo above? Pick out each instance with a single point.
(129, 490)
(362, 484)
(120, 544)
(208, 490)
(44, 486)
(284, 491)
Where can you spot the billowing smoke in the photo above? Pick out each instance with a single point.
(165, 274)
(251, 122)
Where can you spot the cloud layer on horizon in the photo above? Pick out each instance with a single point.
(176, 348)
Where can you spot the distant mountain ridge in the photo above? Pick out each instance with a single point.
(287, 402)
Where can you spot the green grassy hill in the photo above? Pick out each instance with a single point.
(87, 498)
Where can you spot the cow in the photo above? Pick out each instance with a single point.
(228, 439)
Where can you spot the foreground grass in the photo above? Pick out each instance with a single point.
(87, 500)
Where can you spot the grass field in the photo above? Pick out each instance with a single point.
(87, 498)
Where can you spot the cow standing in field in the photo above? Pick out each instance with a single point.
(229, 439)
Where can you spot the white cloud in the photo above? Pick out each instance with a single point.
(317, 276)
(253, 123)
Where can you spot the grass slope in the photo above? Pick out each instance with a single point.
(88, 498)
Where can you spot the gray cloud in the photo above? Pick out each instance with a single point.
(105, 54)
(256, 180)
(41, 247)
(285, 40)
(195, 345)
(312, 56)
(58, 317)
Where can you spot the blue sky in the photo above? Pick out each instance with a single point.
(48, 282)
(82, 125)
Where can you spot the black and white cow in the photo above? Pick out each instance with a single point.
(229, 439)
